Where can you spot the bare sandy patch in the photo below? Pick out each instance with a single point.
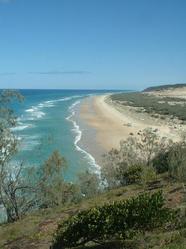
(171, 92)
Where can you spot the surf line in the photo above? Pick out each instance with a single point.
(78, 132)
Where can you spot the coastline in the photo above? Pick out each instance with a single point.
(79, 131)
(112, 123)
(86, 142)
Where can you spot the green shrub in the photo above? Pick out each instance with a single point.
(136, 151)
(89, 184)
(131, 175)
(118, 220)
(173, 160)
(177, 161)
(160, 162)
(148, 175)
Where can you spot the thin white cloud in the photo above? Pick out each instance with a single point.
(61, 72)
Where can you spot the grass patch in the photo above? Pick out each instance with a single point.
(36, 230)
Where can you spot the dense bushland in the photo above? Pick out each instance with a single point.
(119, 220)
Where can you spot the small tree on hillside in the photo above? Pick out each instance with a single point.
(135, 152)
(52, 189)
(12, 187)
(16, 192)
(89, 184)
(176, 160)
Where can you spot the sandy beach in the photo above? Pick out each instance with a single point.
(114, 123)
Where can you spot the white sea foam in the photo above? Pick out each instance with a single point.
(63, 99)
(33, 113)
(94, 166)
(46, 105)
(36, 112)
(71, 109)
(21, 127)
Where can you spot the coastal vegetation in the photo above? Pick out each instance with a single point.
(153, 105)
(138, 201)
(137, 160)
(10, 185)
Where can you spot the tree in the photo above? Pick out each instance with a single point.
(176, 160)
(8, 141)
(52, 189)
(16, 192)
(12, 186)
(134, 152)
(89, 184)
(144, 147)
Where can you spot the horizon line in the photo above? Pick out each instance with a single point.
(68, 89)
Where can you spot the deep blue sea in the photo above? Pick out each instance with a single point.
(46, 123)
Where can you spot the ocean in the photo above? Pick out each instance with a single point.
(47, 122)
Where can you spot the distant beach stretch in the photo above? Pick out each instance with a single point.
(113, 121)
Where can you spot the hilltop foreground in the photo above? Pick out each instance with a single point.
(36, 231)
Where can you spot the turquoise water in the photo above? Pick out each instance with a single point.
(46, 122)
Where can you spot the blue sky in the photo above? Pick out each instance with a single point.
(92, 44)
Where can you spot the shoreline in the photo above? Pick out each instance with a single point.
(79, 131)
(113, 123)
